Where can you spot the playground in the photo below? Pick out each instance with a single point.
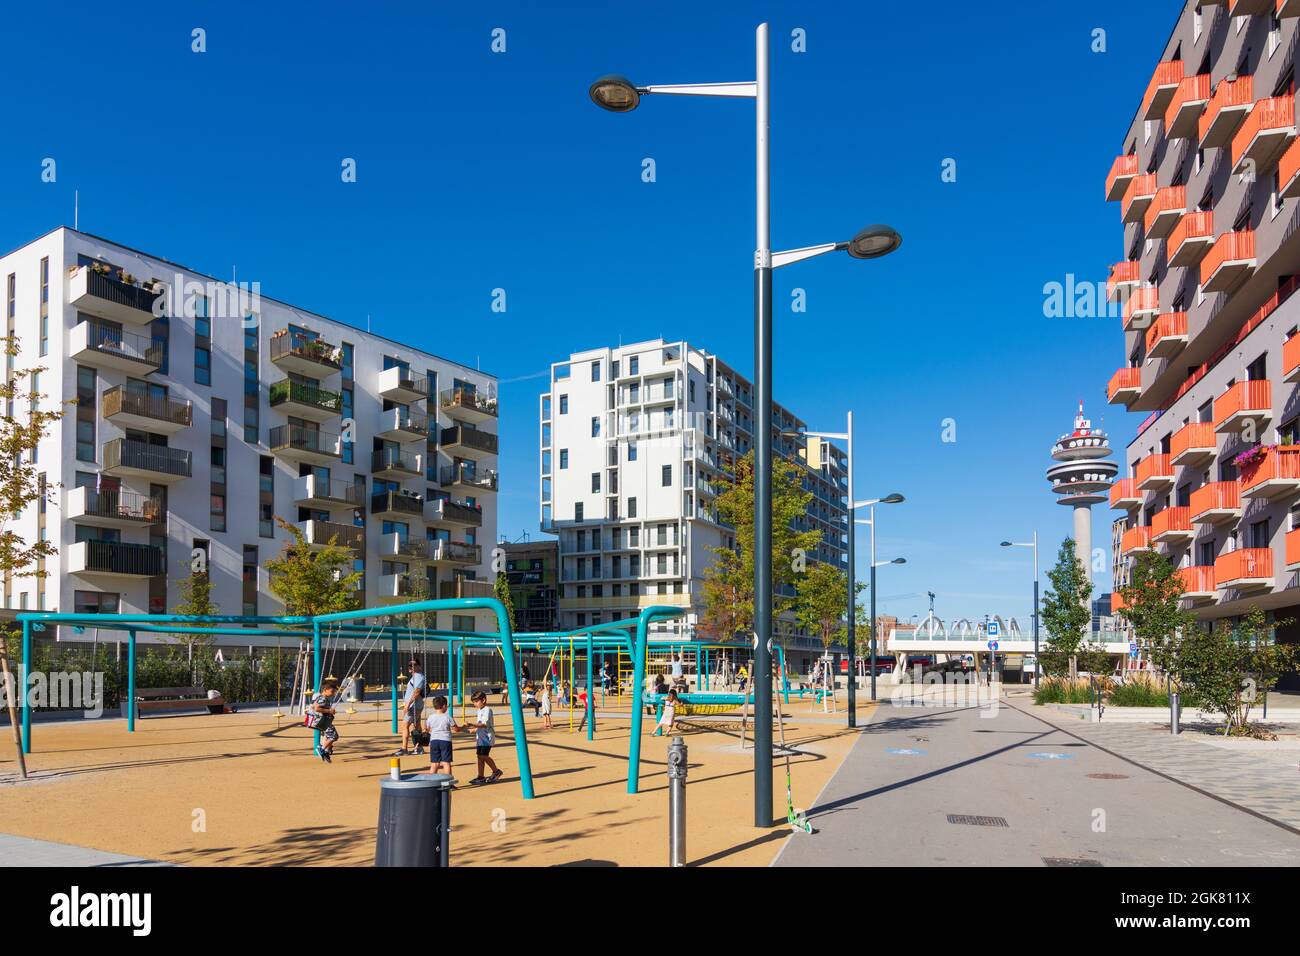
(247, 788)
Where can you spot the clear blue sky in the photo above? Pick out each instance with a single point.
(479, 170)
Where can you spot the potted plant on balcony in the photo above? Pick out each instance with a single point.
(1251, 457)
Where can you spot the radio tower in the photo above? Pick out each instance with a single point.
(1082, 479)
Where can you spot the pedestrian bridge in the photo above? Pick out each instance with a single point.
(964, 636)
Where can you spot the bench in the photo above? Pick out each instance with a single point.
(150, 700)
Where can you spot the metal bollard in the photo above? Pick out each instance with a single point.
(677, 802)
(1175, 713)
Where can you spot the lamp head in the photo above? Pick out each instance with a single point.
(899, 561)
(1006, 544)
(615, 93)
(894, 499)
(874, 242)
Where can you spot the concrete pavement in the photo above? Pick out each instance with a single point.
(21, 851)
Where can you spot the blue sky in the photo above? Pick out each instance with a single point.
(481, 170)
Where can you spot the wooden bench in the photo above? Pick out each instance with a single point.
(150, 700)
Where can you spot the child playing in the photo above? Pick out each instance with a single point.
(440, 724)
(665, 725)
(322, 706)
(484, 737)
(546, 706)
(530, 699)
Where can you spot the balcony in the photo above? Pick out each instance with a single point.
(1230, 260)
(305, 445)
(1274, 474)
(124, 458)
(1246, 401)
(1267, 131)
(461, 442)
(397, 588)
(1198, 582)
(1136, 539)
(1288, 171)
(111, 509)
(1168, 206)
(455, 552)
(1160, 91)
(1124, 495)
(1193, 444)
(1216, 502)
(446, 511)
(1123, 279)
(133, 408)
(1185, 107)
(101, 345)
(1291, 359)
(1122, 171)
(402, 425)
(1244, 568)
(313, 491)
(391, 465)
(465, 475)
(1125, 386)
(399, 385)
(463, 587)
(1167, 335)
(114, 559)
(1172, 526)
(1141, 190)
(302, 354)
(397, 505)
(308, 402)
(1143, 305)
(1228, 106)
(1154, 472)
(320, 534)
(399, 547)
(468, 405)
(109, 297)
(1191, 239)
(1293, 550)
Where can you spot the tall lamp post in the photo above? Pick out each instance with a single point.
(871, 504)
(1038, 667)
(619, 95)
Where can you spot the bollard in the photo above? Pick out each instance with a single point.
(414, 821)
(1175, 713)
(677, 802)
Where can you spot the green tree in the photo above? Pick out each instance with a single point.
(1227, 667)
(1151, 604)
(22, 484)
(501, 591)
(313, 580)
(823, 597)
(1066, 612)
(195, 600)
(729, 580)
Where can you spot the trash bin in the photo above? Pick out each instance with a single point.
(414, 819)
(359, 689)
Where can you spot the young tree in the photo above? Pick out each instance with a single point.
(1226, 668)
(823, 598)
(501, 591)
(23, 425)
(195, 600)
(729, 581)
(1151, 604)
(1066, 612)
(311, 580)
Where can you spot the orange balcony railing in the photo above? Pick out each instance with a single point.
(1185, 106)
(1264, 133)
(1144, 302)
(1161, 89)
(1198, 579)
(1124, 494)
(1167, 334)
(1244, 398)
(1167, 207)
(1124, 385)
(1293, 549)
(1126, 274)
(1278, 464)
(1191, 238)
(1121, 171)
(1117, 602)
(1154, 470)
(1172, 522)
(1136, 539)
(1242, 565)
(1141, 190)
(1228, 105)
(1192, 441)
(1288, 169)
(1216, 500)
(1231, 256)
(1291, 358)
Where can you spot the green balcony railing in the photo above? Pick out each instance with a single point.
(298, 393)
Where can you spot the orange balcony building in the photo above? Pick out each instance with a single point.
(1141, 307)
(1276, 472)
(1293, 550)
(1230, 260)
(1160, 91)
(1198, 582)
(1168, 205)
(1267, 130)
(1136, 539)
(1246, 401)
(1141, 190)
(1193, 444)
(1124, 386)
(1229, 103)
(1154, 472)
(1186, 106)
(1167, 335)
(1191, 239)
(1123, 279)
(1244, 568)
(1216, 502)
(1291, 359)
(1172, 525)
(1121, 174)
(1124, 494)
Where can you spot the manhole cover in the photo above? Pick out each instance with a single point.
(969, 820)
(1108, 776)
(1066, 861)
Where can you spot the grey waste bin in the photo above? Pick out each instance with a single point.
(414, 819)
(359, 689)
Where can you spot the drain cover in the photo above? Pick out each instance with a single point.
(1108, 776)
(1066, 861)
(977, 821)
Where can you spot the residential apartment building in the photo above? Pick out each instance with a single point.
(196, 415)
(533, 571)
(633, 442)
(1208, 184)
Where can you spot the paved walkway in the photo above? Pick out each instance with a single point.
(1024, 793)
(20, 851)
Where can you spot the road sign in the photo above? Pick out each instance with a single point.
(993, 628)
(1132, 649)
(993, 645)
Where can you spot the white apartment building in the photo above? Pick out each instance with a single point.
(633, 440)
(196, 415)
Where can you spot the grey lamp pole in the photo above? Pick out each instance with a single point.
(892, 499)
(617, 94)
(1038, 667)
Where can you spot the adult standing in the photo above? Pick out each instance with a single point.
(412, 707)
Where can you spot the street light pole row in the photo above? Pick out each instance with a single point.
(1038, 667)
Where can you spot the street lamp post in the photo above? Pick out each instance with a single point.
(619, 95)
(1038, 666)
(871, 505)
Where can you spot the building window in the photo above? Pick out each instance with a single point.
(86, 413)
(631, 507)
(595, 482)
(666, 476)
(577, 511)
(202, 342)
(634, 365)
(595, 371)
(45, 306)
(595, 426)
(266, 496)
(250, 580)
(631, 451)
(346, 447)
(252, 386)
(202, 366)
(95, 602)
(564, 458)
